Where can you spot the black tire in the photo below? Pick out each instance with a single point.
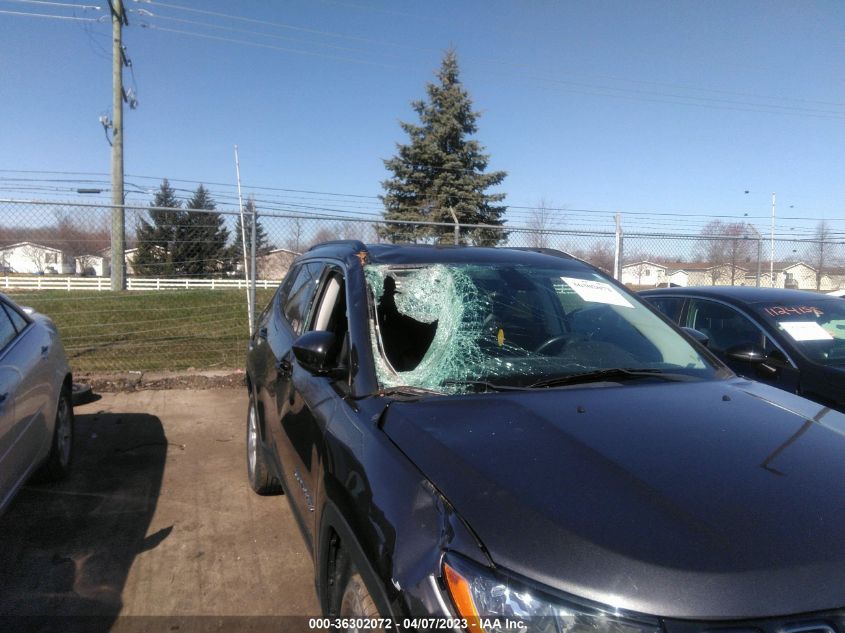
(60, 458)
(260, 478)
(356, 603)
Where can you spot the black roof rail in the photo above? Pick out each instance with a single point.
(354, 245)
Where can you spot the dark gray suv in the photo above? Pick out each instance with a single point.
(474, 437)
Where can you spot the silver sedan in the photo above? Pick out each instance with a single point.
(36, 416)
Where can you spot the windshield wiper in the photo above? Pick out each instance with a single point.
(614, 372)
(489, 386)
(401, 390)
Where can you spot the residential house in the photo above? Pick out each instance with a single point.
(28, 257)
(643, 273)
(93, 265)
(275, 264)
(801, 276)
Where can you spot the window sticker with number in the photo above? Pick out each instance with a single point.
(777, 311)
(597, 291)
(805, 331)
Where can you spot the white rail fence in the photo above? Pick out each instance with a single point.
(52, 282)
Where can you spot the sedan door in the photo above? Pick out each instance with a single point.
(23, 429)
(730, 331)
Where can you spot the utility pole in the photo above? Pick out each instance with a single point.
(617, 256)
(118, 231)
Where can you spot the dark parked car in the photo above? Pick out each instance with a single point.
(792, 339)
(507, 434)
(36, 416)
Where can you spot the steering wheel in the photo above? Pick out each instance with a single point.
(560, 339)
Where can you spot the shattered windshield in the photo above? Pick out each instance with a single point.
(442, 326)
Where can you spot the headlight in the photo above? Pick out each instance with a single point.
(488, 602)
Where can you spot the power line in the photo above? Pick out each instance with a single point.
(49, 16)
(59, 4)
(259, 45)
(246, 31)
(578, 88)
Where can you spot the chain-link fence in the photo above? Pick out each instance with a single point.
(188, 274)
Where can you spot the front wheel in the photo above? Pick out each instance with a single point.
(260, 479)
(357, 606)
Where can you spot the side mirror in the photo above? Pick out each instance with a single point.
(700, 337)
(747, 352)
(312, 350)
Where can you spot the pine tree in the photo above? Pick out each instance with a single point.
(202, 237)
(157, 237)
(441, 171)
(262, 243)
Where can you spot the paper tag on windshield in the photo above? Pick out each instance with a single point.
(805, 330)
(596, 291)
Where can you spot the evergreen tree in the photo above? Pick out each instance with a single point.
(262, 244)
(157, 237)
(441, 171)
(201, 239)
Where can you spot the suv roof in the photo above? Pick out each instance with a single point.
(431, 254)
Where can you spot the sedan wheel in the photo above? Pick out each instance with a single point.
(58, 461)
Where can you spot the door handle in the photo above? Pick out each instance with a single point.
(45, 350)
(262, 333)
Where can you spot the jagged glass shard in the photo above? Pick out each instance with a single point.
(445, 299)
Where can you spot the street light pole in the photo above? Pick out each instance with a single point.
(772, 263)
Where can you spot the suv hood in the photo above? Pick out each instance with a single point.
(717, 499)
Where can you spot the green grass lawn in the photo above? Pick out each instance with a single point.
(147, 331)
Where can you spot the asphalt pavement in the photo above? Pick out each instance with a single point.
(156, 528)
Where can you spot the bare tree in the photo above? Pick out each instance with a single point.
(540, 222)
(352, 231)
(727, 247)
(818, 253)
(323, 235)
(294, 242)
(600, 254)
(38, 256)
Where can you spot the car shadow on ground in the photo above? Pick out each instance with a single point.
(66, 548)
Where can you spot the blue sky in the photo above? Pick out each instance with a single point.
(644, 108)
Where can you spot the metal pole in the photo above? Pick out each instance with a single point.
(772, 264)
(118, 230)
(457, 227)
(617, 257)
(252, 261)
(249, 302)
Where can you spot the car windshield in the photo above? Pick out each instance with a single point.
(816, 327)
(457, 327)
